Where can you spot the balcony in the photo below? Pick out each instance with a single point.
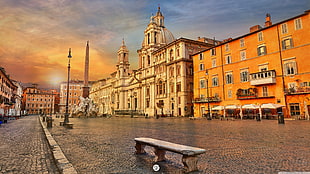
(247, 93)
(263, 77)
(206, 100)
(297, 91)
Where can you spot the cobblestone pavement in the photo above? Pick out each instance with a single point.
(24, 148)
(106, 145)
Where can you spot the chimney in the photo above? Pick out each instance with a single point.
(255, 28)
(268, 20)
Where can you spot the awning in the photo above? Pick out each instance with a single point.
(231, 107)
(271, 106)
(217, 108)
(250, 106)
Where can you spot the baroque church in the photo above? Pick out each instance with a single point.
(163, 83)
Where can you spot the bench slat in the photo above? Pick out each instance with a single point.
(177, 148)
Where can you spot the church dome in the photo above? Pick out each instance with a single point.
(166, 36)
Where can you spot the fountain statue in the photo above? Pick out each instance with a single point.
(86, 108)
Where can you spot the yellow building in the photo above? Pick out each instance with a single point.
(267, 65)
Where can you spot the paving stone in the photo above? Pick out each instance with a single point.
(24, 148)
(101, 145)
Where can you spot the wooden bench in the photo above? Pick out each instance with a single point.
(189, 153)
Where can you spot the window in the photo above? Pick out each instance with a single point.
(295, 109)
(260, 36)
(148, 102)
(178, 87)
(229, 93)
(298, 24)
(171, 55)
(171, 88)
(226, 47)
(261, 50)
(242, 55)
(287, 43)
(200, 56)
(148, 60)
(178, 70)
(212, 52)
(202, 83)
(242, 42)
(213, 63)
(171, 71)
(228, 59)
(215, 81)
(229, 78)
(284, 29)
(290, 68)
(161, 88)
(148, 92)
(201, 67)
(265, 91)
(244, 76)
(178, 52)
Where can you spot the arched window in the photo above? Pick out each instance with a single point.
(171, 55)
(161, 88)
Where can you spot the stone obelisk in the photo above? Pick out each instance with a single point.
(86, 87)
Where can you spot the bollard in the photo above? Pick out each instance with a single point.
(280, 118)
(49, 122)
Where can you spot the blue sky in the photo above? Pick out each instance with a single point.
(36, 34)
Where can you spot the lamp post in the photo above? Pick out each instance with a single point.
(131, 104)
(67, 99)
(208, 98)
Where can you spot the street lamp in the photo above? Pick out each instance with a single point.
(67, 99)
(209, 112)
(131, 104)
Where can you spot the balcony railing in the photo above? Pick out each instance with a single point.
(206, 100)
(299, 90)
(263, 77)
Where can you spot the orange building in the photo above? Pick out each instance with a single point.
(37, 101)
(268, 65)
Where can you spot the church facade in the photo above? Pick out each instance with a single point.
(162, 84)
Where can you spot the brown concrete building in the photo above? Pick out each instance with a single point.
(7, 93)
(37, 101)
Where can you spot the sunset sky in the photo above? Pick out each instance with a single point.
(35, 35)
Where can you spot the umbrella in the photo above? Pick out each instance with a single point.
(241, 114)
(306, 111)
(231, 107)
(250, 106)
(271, 106)
(218, 108)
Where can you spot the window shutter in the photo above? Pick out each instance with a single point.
(265, 50)
(291, 41)
(258, 51)
(283, 45)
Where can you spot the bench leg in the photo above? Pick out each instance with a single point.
(139, 148)
(190, 163)
(160, 154)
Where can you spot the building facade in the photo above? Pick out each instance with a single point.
(38, 101)
(163, 83)
(7, 94)
(75, 92)
(267, 65)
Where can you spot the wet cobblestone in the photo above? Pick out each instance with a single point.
(106, 145)
(24, 148)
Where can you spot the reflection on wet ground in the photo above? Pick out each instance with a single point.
(106, 145)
